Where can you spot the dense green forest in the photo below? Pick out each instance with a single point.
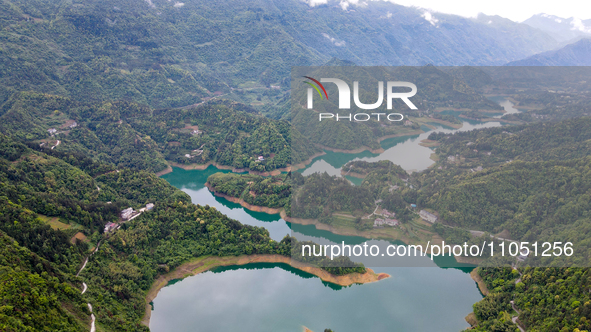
(274, 191)
(97, 96)
(49, 196)
(35, 295)
(126, 134)
(165, 54)
(548, 299)
(530, 182)
(319, 196)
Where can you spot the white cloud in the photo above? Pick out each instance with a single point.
(334, 40)
(314, 3)
(429, 18)
(517, 11)
(578, 25)
(343, 3)
(178, 4)
(150, 4)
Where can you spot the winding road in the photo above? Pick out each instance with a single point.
(58, 143)
(85, 288)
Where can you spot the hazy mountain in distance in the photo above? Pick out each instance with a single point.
(516, 32)
(561, 29)
(576, 54)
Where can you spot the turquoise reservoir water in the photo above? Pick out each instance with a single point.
(276, 297)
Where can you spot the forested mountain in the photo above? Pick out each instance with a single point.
(550, 299)
(532, 183)
(54, 207)
(524, 179)
(529, 181)
(575, 54)
(126, 134)
(167, 54)
(97, 96)
(36, 296)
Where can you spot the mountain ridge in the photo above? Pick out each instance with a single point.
(575, 54)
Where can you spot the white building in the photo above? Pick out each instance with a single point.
(110, 226)
(126, 214)
(387, 221)
(149, 206)
(427, 216)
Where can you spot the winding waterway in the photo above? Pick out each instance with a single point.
(276, 297)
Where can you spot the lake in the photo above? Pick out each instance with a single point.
(276, 297)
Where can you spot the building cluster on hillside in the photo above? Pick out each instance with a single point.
(385, 222)
(110, 226)
(127, 215)
(386, 213)
(427, 216)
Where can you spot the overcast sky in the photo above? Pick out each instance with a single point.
(516, 10)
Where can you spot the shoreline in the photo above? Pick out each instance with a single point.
(201, 167)
(489, 120)
(243, 203)
(412, 133)
(353, 174)
(358, 150)
(425, 121)
(478, 280)
(335, 230)
(315, 222)
(364, 148)
(443, 109)
(205, 263)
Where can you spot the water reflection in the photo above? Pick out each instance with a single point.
(404, 151)
(274, 297)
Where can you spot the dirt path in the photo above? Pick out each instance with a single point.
(515, 318)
